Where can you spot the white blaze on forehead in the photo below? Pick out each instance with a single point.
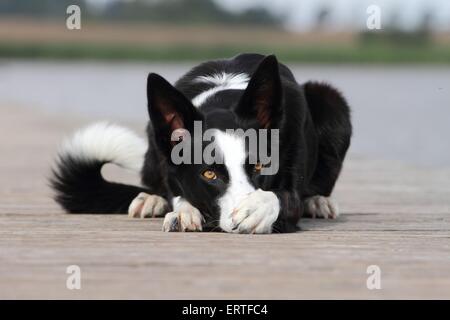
(234, 155)
(221, 81)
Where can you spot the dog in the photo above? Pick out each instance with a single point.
(247, 92)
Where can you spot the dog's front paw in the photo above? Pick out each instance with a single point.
(321, 207)
(147, 205)
(185, 219)
(256, 213)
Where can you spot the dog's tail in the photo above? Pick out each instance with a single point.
(77, 179)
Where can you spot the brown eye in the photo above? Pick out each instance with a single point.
(258, 167)
(209, 174)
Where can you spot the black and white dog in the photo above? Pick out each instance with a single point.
(249, 91)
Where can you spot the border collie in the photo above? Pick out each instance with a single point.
(249, 91)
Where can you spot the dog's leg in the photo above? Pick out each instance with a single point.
(184, 217)
(321, 207)
(147, 205)
(331, 116)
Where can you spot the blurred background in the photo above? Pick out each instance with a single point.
(396, 78)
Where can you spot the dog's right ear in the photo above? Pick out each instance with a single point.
(261, 99)
(169, 111)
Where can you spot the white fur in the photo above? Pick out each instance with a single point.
(147, 205)
(184, 217)
(233, 150)
(242, 208)
(256, 213)
(321, 207)
(175, 202)
(221, 81)
(109, 143)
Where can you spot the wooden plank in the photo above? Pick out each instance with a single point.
(395, 216)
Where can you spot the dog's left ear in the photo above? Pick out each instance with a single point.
(262, 98)
(170, 111)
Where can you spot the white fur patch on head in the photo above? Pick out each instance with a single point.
(221, 81)
(234, 155)
(108, 143)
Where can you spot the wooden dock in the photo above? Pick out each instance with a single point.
(395, 216)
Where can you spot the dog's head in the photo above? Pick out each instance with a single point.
(210, 166)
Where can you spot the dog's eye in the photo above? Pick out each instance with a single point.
(258, 167)
(209, 174)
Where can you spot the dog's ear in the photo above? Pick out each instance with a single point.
(262, 98)
(169, 111)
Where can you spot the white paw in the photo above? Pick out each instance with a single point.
(256, 213)
(321, 207)
(184, 218)
(147, 205)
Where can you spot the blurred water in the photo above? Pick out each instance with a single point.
(399, 112)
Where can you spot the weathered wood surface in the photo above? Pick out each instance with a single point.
(394, 216)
